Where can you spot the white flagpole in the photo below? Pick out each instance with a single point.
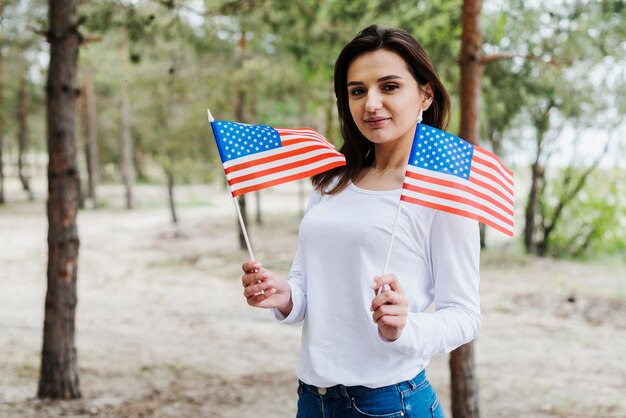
(393, 235)
(243, 228)
(395, 223)
(241, 222)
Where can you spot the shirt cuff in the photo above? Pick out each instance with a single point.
(294, 316)
(404, 343)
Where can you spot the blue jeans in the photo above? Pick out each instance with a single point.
(414, 398)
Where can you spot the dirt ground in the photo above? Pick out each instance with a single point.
(163, 330)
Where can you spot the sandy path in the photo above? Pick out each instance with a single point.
(163, 331)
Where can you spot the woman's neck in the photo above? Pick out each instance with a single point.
(391, 157)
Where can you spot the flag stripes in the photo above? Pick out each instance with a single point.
(486, 195)
(302, 152)
(450, 209)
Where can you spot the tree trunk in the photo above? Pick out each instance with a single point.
(170, 194)
(259, 215)
(2, 4)
(239, 116)
(471, 71)
(330, 119)
(302, 121)
(90, 140)
(128, 173)
(59, 368)
(531, 209)
(541, 121)
(241, 201)
(482, 230)
(22, 134)
(254, 118)
(465, 401)
(464, 385)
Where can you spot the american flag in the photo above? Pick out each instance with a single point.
(452, 175)
(256, 157)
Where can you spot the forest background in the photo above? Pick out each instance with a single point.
(553, 100)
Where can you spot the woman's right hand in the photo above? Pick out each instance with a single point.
(264, 289)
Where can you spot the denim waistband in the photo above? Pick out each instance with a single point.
(341, 391)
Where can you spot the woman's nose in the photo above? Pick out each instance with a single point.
(373, 102)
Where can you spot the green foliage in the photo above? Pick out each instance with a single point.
(21, 48)
(556, 72)
(595, 220)
(271, 62)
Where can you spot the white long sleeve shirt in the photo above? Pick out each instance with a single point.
(343, 241)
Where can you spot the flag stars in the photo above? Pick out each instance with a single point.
(439, 151)
(241, 140)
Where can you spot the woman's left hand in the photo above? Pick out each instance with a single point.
(390, 307)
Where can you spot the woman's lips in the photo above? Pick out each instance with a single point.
(376, 122)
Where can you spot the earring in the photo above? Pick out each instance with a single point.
(419, 116)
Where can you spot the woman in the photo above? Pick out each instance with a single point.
(365, 344)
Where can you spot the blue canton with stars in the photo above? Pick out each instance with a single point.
(436, 150)
(236, 140)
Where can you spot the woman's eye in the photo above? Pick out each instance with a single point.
(390, 87)
(356, 92)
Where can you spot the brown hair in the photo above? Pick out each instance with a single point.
(359, 152)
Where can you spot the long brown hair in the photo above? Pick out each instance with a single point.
(359, 152)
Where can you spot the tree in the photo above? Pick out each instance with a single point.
(548, 90)
(2, 5)
(464, 390)
(90, 138)
(59, 368)
(23, 134)
(126, 142)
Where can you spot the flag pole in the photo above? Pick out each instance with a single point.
(241, 222)
(395, 223)
(243, 228)
(393, 235)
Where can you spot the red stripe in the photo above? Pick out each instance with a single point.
(286, 142)
(455, 198)
(287, 179)
(309, 132)
(495, 168)
(297, 129)
(492, 178)
(278, 169)
(313, 136)
(457, 212)
(459, 186)
(273, 157)
(494, 156)
(492, 189)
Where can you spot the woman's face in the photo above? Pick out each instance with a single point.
(384, 98)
